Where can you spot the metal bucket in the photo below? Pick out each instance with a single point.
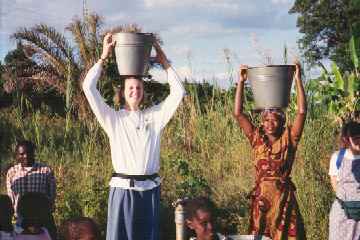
(132, 51)
(247, 237)
(271, 85)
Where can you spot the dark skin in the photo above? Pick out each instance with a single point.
(271, 122)
(25, 156)
(202, 225)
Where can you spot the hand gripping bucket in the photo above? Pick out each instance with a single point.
(132, 51)
(271, 85)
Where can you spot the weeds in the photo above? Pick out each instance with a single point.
(203, 153)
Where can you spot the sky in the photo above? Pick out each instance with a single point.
(195, 32)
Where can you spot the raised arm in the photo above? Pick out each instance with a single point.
(242, 119)
(102, 111)
(165, 110)
(298, 125)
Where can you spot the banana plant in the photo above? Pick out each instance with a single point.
(344, 88)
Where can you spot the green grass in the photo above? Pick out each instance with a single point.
(203, 152)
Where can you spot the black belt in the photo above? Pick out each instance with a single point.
(136, 177)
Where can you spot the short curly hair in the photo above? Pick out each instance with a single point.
(79, 228)
(34, 208)
(351, 129)
(30, 146)
(199, 203)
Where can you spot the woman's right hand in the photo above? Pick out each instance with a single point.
(243, 73)
(108, 44)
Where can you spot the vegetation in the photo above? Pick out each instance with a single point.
(327, 27)
(203, 150)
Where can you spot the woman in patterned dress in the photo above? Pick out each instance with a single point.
(274, 209)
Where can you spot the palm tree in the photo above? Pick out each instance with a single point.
(61, 67)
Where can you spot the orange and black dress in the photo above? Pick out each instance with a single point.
(274, 209)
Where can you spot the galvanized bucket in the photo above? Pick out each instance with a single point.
(247, 237)
(132, 51)
(271, 85)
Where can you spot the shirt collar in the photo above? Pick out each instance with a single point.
(34, 166)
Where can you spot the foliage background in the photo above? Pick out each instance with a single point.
(203, 153)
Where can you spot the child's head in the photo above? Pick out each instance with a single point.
(352, 136)
(6, 213)
(81, 228)
(34, 208)
(344, 141)
(199, 218)
(273, 121)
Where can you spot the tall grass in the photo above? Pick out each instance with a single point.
(203, 152)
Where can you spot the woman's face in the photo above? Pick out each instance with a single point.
(271, 123)
(133, 92)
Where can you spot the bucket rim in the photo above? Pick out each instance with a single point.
(134, 33)
(274, 65)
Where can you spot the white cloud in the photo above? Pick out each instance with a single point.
(225, 4)
(194, 32)
(281, 1)
(201, 29)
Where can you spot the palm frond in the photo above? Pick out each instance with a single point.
(93, 23)
(41, 46)
(78, 29)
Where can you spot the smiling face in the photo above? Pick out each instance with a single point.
(133, 93)
(25, 155)
(272, 123)
(202, 224)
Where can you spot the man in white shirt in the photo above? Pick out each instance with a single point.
(134, 135)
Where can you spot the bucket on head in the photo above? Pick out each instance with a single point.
(247, 237)
(271, 85)
(132, 51)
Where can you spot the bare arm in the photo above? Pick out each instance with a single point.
(242, 119)
(333, 181)
(298, 125)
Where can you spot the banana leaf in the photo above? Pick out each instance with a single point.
(354, 51)
(339, 81)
